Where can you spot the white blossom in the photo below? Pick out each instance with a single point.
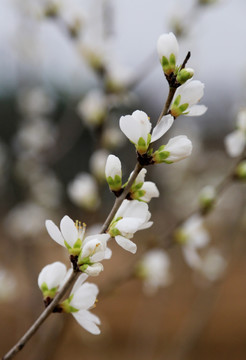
(186, 98)
(193, 236)
(98, 162)
(131, 216)
(235, 141)
(92, 108)
(83, 191)
(82, 298)
(177, 148)
(143, 190)
(51, 278)
(137, 128)
(90, 250)
(154, 268)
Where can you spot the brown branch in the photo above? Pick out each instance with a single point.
(32, 330)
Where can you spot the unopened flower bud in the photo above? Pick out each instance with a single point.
(168, 48)
(241, 171)
(113, 173)
(184, 75)
(207, 198)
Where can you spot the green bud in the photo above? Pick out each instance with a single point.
(184, 75)
(241, 170)
(180, 237)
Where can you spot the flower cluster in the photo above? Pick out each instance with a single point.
(86, 252)
(82, 298)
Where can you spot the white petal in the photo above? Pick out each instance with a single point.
(235, 143)
(151, 191)
(192, 258)
(91, 247)
(130, 128)
(146, 225)
(142, 119)
(108, 253)
(54, 232)
(69, 230)
(180, 147)
(167, 44)
(126, 244)
(88, 321)
(129, 225)
(196, 110)
(94, 270)
(81, 279)
(141, 176)
(135, 209)
(85, 296)
(162, 127)
(191, 92)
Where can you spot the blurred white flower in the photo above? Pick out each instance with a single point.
(83, 191)
(46, 189)
(137, 128)
(7, 285)
(154, 269)
(185, 99)
(112, 138)
(213, 265)
(207, 197)
(93, 108)
(25, 220)
(131, 216)
(35, 102)
(98, 163)
(193, 236)
(117, 77)
(143, 190)
(235, 141)
(82, 298)
(90, 250)
(35, 136)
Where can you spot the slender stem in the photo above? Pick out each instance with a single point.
(119, 200)
(167, 104)
(32, 330)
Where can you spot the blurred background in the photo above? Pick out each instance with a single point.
(68, 70)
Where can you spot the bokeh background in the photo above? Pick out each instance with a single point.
(52, 55)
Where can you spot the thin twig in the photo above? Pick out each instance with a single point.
(32, 330)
